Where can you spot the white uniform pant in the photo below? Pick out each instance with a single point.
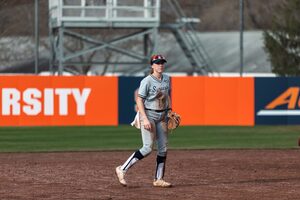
(158, 133)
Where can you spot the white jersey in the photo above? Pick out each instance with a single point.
(155, 92)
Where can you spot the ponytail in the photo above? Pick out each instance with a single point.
(151, 71)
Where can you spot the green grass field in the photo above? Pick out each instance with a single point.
(35, 139)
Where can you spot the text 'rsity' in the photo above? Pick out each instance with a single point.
(33, 101)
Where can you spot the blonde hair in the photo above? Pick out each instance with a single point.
(151, 71)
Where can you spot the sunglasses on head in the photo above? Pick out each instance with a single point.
(161, 62)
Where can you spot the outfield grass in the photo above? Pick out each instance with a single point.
(35, 139)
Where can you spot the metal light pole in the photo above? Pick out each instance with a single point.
(36, 35)
(241, 37)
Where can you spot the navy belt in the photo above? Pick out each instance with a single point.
(159, 111)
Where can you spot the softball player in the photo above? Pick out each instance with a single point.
(153, 103)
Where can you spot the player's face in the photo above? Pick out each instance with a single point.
(158, 67)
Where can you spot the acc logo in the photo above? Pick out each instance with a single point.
(288, 99)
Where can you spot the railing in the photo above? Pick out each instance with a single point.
(195, 46)
(61, 10)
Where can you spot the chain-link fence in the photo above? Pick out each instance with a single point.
(17, 35)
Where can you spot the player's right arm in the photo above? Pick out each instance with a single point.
(141, 108)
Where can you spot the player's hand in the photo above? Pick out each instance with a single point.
(147, 124)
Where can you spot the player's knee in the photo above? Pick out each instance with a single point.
(162, 152)
(146, 150)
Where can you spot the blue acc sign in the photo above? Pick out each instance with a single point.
(277, 100)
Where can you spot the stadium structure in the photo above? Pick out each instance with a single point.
(118, 36)
(143, 16)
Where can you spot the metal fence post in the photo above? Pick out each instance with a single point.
(241, 37)
(36, 35)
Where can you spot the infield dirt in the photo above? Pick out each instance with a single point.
(195, 174)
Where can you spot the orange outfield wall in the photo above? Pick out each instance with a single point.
(214, 101)
(58, 101)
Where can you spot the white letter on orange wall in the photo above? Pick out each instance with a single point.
(30, 97)
(81, 99)
(10, 99)
(48, 101)
(63, 100)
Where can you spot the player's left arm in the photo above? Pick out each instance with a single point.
(169, 102)
(169, 95)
